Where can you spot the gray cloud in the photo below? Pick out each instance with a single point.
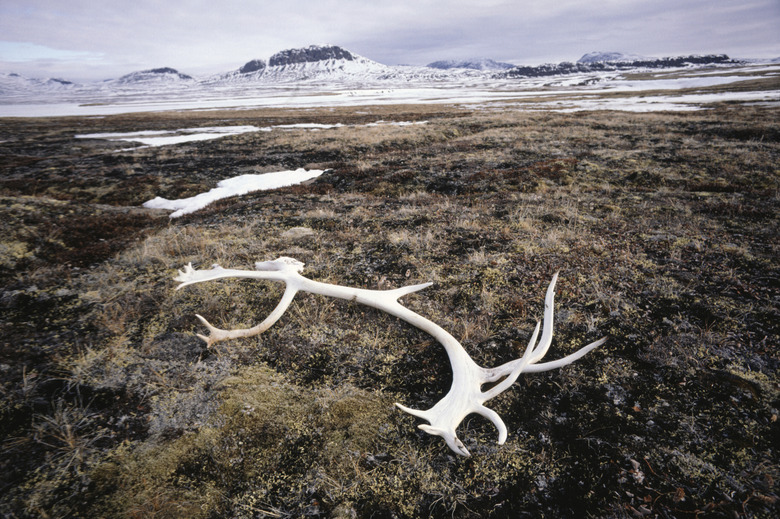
(198, 37)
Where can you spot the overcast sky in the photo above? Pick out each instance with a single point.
(89, 39)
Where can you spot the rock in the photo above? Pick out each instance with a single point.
(309, 54)
(252, 66)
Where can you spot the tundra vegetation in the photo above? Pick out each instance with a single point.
(664, 227)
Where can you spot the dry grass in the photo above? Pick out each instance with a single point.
(663, 226)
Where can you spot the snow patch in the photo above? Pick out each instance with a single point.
(308, 126)
(234, 186)
(659, 103)
(153, 138)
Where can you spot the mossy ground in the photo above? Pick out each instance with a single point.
(664, 227)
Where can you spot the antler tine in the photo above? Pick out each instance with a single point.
(547, 328)
(217, 334)
(565, 361)
(518, 367)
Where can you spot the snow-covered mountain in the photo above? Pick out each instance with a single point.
(313, 63)
(324, 66)
(318, 62)
(597, 57)
(335, 65)
(13, 85)
(156, 81)
(472, 64)
(165, 75)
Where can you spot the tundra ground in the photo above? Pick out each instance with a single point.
(664, 227)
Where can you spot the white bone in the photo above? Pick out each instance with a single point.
(465, 395)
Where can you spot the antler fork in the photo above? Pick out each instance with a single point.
(465, 395)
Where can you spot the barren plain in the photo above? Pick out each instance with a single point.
(664, 227)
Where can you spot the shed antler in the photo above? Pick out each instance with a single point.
(465, 395)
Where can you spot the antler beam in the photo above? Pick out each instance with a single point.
(465, 395)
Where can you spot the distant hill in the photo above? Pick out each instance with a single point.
(13, 84)
(593, 63)
(471, 64)
(165, 74)
(596, 57)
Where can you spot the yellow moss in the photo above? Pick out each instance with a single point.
(11, 252)
(142, 476)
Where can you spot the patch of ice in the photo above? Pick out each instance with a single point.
(234, 186)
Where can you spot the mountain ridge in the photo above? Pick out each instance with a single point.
(335, 64)
(567, 67)
(13, 84)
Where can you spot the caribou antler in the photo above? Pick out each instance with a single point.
(465, 395)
